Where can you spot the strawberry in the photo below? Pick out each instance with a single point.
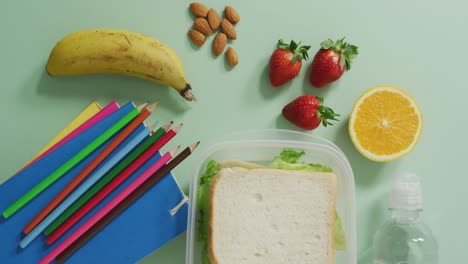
(307, 112)
(331, 61)
(286, 62)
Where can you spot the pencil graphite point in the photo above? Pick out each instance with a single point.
(152, 106)
(177, 128)
(194, 146)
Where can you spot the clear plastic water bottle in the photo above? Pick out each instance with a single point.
(404, 238)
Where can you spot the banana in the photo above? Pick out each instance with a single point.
(120, 52)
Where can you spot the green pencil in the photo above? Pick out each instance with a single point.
(85, 152)
(132, 156)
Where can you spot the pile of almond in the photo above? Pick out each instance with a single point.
(207, 21)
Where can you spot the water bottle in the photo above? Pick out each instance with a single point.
(404, 238)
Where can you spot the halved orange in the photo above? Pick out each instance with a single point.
(385, 124)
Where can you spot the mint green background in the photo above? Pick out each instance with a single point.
(417, 45)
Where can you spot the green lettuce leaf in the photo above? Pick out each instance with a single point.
(291, 156)
(339, 234)
(287, 160)
(203, 199)
(205, 254)
(203, 203)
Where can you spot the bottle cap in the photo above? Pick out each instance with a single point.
(406, 192)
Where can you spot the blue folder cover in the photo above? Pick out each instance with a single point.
(142, 228)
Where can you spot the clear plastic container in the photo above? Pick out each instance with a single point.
(261, 146)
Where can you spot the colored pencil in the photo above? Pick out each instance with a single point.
(109, 206)
(94, 201)
(129, 159)
(90, 167)
(106, 111)
(126, 203)
(59, 172)
(87, 183)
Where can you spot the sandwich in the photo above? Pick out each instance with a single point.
(284, 212)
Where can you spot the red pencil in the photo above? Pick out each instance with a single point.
(90, 167)
(112, 185)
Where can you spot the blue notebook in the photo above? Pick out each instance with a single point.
(141, 229)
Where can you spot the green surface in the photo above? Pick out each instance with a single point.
(417, 45)
(70, 164)
(116, 170)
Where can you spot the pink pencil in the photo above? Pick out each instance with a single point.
(106, 111)
(101, 195)
(109, 206)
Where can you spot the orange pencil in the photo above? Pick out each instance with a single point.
(90, 167)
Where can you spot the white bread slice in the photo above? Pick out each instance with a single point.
(271, 216)
(239, 163)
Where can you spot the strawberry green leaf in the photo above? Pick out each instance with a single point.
(300, 52)
(326, 114)
(327, 44)
(303, 51)
(293, 45)
(346, 51)
(282, 44)
(342, 61)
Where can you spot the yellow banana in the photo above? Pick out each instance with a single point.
(121, 52)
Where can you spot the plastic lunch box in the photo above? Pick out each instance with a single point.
(261, 146)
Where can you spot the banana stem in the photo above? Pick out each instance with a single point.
(187, 93)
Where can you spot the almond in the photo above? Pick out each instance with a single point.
(198, 9)
(228, 29)
(231, 14)
(196, 37)
(213, 19)
(202, 26)
(231, 57)
(219, 43)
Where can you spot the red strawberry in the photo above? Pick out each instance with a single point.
(307, 112)
(331, 61)
(286, 62)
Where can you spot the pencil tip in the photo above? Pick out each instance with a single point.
(194, 146)
(174, 150)
(177, 128)
(152, 127)
(167, 126)
(142, 106)
(152, 106)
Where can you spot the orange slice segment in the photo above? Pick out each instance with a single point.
(385, 123)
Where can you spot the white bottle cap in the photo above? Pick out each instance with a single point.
(406, 192)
